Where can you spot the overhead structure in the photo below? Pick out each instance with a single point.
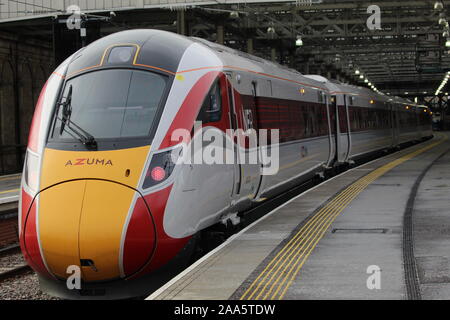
(397, 47)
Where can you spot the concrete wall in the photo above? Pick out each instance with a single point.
(24, 67)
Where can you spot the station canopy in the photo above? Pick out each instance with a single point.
(405, 55)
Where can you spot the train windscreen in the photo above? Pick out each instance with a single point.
(116, 103)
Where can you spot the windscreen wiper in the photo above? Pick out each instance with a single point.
(66, 111)
(83, 136)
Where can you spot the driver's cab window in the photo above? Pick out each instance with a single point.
(211, 110)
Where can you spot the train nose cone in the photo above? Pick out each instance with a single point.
(97, 225)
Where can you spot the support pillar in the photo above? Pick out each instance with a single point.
(181, 22)
(307, 67)
(329, 75)
(250, 46)
(273, 54)
(220, 34)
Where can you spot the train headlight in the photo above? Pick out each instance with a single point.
(162, 166)
(31, 172)
(158, 174)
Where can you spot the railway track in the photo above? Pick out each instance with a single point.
(11, 262)
(14, 248)
(8, 223)
(16, 271)
(17, 280)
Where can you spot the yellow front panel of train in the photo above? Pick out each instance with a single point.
(59, 218)
(83, 207)
(105, 209)
(123, 166)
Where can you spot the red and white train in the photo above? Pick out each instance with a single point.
(100, 191)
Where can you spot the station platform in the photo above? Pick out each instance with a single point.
(9, 200)
(378, 231)
(9, 188)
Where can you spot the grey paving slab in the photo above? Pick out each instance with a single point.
(337, 268)
(432, 231)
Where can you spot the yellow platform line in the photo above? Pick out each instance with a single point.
(310, 241)
(312, 232)
(313, 243)
(330, 211)
(282, 253)
(18, 177)
(9, 191)
(318, 218)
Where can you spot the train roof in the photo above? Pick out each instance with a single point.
(224, 49)
(235, 58)
(160, 50)
(163, 51)
(338, 87)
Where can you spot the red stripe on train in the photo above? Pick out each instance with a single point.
(140, 239)
(188, 111)
(33, 138)
(29, 237)
(167, 247)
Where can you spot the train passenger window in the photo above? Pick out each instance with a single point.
(269, 87)
(351, 100)
(321, 96)
(296, 122)
(359, 120)
(248, 119)
(211, 110)
(307, 123)
(343, 125)
(313, 118)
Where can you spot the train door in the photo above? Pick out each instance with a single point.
(208, 172)
(344, 128)
(331, 116)
(335, 132)
(237, 172)
(251, 125)
(247, 173)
